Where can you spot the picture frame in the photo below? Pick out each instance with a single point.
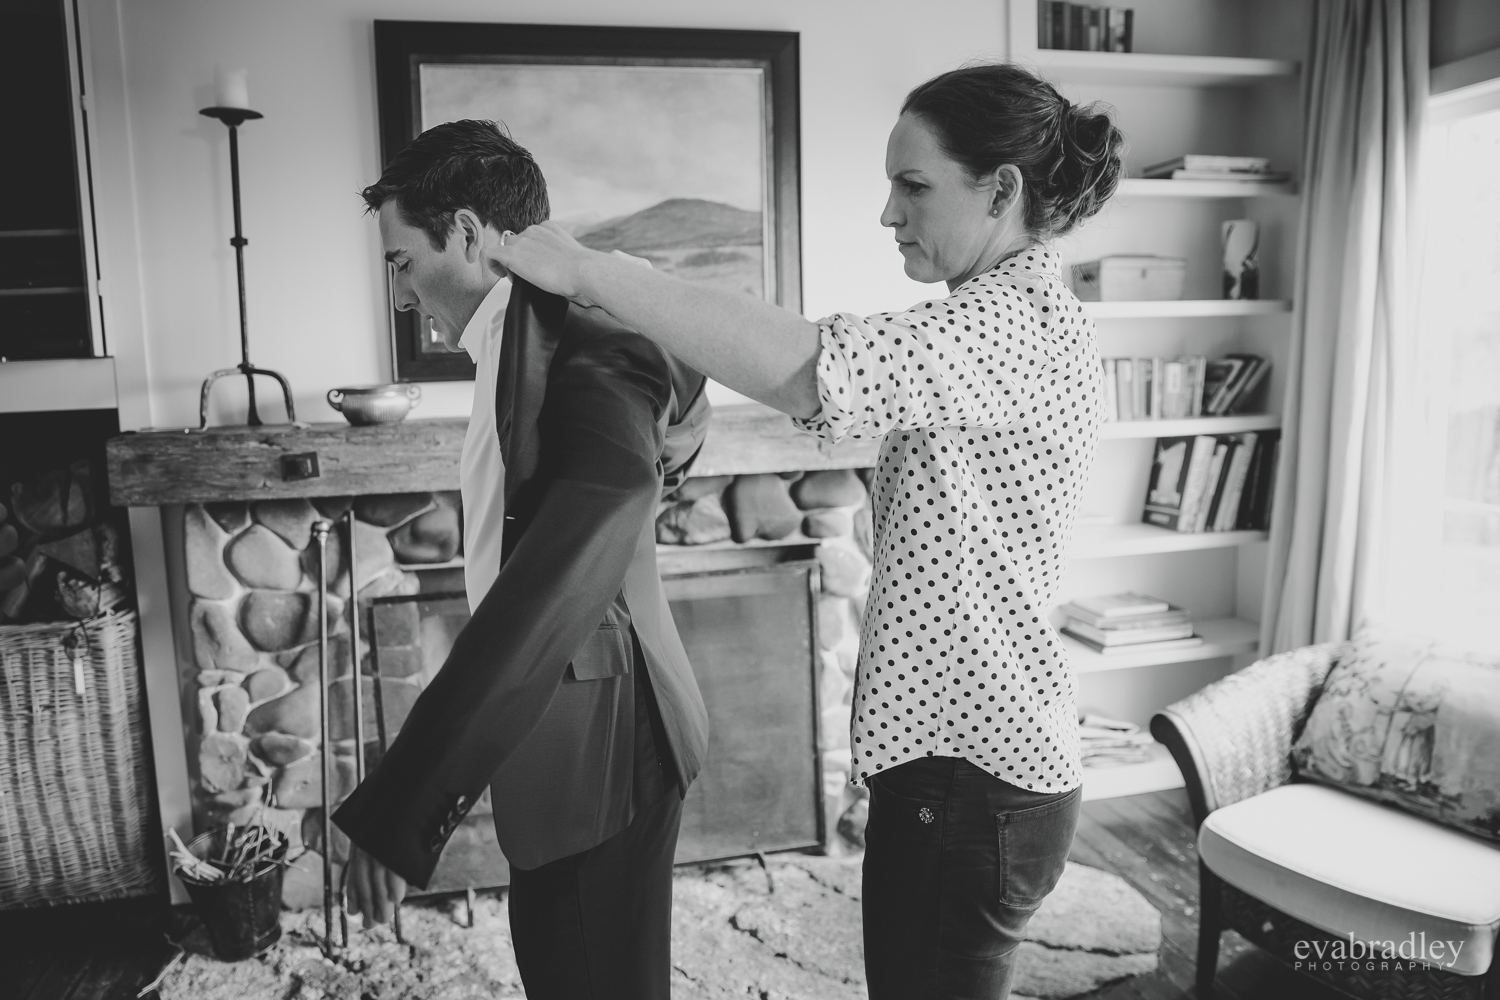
(665, 143)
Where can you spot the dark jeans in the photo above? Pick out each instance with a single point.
(598, 925)
(956, 862)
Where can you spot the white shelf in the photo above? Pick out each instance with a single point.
(1118, 429)
(457, 562)
(1151, 187)
(1174, 308)
(1145, 70)
(1109, 540)
(72, 384)
(1221, 637)
(1155, 775)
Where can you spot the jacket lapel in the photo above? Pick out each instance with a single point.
(534, 323)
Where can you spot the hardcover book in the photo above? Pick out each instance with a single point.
(1162, 646)
(1157, 619)
(1120, 605)
(1129, 636)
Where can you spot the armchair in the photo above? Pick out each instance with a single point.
(1307, 871)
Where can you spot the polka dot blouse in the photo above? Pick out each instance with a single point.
(988, 403)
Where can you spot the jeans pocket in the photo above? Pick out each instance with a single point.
(902, 820)
(1034, 845)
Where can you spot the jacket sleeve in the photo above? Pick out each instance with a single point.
(601, 435)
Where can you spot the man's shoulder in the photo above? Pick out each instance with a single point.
(593, 333)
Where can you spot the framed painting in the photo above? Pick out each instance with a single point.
(676, 145)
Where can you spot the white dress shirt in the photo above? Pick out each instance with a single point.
(988, 404)
(481, 470)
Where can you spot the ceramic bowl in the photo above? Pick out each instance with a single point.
(375, 404)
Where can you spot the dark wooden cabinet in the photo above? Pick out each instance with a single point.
(44, 231)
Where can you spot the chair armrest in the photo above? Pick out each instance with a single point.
(1233, 739)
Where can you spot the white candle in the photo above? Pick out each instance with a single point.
(234, 90)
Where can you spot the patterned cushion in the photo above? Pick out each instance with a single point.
(1405, 720)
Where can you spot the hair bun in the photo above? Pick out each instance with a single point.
(1089, 166)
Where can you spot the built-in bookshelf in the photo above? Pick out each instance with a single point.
(1227, 99)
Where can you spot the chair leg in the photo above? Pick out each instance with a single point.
(1210, 926)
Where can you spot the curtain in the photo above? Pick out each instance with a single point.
(1364, 96)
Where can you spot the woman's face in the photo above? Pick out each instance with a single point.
(941, 215)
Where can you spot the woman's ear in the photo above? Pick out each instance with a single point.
(1006, 193)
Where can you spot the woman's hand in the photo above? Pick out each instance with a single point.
(546, 256)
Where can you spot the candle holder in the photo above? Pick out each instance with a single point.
(233, 118)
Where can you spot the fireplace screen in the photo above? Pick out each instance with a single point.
(749, 634)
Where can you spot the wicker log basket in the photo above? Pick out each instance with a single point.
(75, 782)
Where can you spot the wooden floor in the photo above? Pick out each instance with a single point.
(109, 952)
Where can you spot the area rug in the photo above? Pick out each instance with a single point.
(787, 932)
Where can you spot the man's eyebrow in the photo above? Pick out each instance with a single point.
(391, 255)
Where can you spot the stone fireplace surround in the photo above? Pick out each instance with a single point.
(245, 601)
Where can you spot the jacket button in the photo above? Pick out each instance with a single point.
(435, 845)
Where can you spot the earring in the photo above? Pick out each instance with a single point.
(995, 213)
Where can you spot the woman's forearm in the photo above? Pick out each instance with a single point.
(761, 350)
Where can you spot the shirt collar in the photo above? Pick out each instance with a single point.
(491, 311)
(1036, 260)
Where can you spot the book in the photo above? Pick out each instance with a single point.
(1250, 378)
(1169, 469)
(1218, 376)
(1125, 388)
(1259, 491)
(1227, 508)
(1200, 161)
(1215, 483)
(1156, 619)
(1158, 388)
(1142, 388)
(1278, 177)
(1111, 395)
(1121, 31)
(1195, 484)
(1162, 646)
(1120, 605)
(1128, 636)
(1198, 365)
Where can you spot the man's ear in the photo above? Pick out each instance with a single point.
(468, 228)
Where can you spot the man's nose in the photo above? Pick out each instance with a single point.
(406, 299)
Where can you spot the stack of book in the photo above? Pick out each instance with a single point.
(1198, 167)
(1188, 386)
(1104, 742)
(1084, 28)
(1128, 623)
(1208, 482)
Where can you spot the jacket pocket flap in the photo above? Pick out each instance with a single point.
(603, 655)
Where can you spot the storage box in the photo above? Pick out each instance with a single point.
(1120, 278)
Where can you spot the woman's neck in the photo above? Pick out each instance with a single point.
(993, 260)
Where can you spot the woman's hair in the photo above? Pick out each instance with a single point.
(988, 115)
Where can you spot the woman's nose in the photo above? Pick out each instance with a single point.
(891, 217)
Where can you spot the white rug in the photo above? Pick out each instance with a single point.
(732, 937)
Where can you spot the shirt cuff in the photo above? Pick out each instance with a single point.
(836, 418)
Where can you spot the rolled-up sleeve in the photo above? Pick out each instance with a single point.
(948, 362)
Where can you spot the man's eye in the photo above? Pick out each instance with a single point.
(403, 266)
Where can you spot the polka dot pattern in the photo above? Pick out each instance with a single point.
(989, 405)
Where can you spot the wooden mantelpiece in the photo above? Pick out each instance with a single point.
(151, 468)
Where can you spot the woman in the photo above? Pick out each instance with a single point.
(988, 403)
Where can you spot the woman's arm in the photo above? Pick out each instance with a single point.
(756, 348)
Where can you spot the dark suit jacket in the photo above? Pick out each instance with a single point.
(595, 422)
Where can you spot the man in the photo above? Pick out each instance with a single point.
(568, 693)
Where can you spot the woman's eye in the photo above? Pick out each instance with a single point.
(914, 188)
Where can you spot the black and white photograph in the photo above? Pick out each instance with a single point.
(979, 500)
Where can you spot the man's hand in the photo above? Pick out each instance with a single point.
(371, 889)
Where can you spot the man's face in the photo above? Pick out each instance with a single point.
(445, 286)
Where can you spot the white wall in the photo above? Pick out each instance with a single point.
(316, 284)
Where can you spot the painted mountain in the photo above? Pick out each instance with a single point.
(692, 238)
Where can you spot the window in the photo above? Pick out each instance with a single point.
(1446, 478)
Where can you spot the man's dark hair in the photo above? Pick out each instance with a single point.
(464, 164)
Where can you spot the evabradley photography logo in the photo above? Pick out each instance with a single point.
(1411, 953)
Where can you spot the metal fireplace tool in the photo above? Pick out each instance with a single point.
(334, 902)
(234, 118)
